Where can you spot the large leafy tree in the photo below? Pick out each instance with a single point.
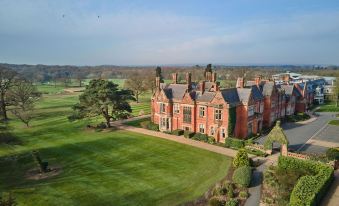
(22, 97)
(136, 83)
(7, 77)
(103, 98)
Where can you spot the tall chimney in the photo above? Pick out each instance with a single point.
(214, 77)
(157, 82)
(202, 87)
(240, 82)
(188, 78)
(257, 80)
(208, 76)
(175, 78)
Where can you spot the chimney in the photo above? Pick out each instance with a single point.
(257, 80)
(157, 82)
(188, 78)
(202, 86)
(240, 82)
(214, 77)
(175, 78)
(208, 76)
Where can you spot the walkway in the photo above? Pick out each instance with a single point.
(180, 139)
(332, 196)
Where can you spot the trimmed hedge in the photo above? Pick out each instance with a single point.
(242, 176)
(200, 137)
(234, 143)
(241, 159)
(188, 134)
(178, 132)
(309, 189)
(332, 153)
(149, 125)
(214, 201)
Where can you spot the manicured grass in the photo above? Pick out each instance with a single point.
(103, 168)
(328, 107)
(334, 122)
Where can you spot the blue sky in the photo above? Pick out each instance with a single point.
(169, 32)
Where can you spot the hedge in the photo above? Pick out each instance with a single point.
(242, 176)
(332, 153)
(188, 134)
(241, 159)
(200, 137)
(149, 125)
(178, 132)
(234, 143)
(309, 189)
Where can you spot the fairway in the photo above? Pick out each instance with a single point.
(103, 168)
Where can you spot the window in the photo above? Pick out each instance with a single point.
(249, 129)
(250, 111)
(261, 107)
(212, 131)
(201, 128)
(273, 104)
(187, 114)
(201, 111)
(164, 123)
(223, 132)
(176, 108)
(217, 114)
(162, 108)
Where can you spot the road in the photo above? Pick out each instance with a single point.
(299, 134)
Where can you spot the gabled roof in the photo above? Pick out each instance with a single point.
(205, 96)
(257, 95)
(174, 91)
(244, 94)
(290, 89)
(230, 95)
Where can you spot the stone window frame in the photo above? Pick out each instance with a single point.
(176, 108)
(218, 116)
(202, 128)
(202, 109)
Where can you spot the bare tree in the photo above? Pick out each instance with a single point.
(136, 83)
(7, 77)
(22, 96)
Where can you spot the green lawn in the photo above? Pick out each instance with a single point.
(328, 107)
(103, 168)
(334, 122)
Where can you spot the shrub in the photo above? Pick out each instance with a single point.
(309, 189)
(242, 176)
(230, 191)
(256, 152)
(332, 154)
(178, 132)
(101, 125)
(241, 159)
(232, 202)
(200, 137)
(214, 201)
(243, 194)
(211, 140)
(234, 143)
(149, 125)
(188, 134)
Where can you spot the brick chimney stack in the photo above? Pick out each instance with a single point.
(202, 86)
(157, 82)
(189, 78)
(175, 78)
(257, 80)
(214, 77)
(208, 76)
(240, 82)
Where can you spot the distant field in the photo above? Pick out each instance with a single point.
(102, 168)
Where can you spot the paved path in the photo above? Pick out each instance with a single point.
(180, 139)
(332, 196)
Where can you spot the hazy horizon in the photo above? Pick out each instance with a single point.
(137, 33)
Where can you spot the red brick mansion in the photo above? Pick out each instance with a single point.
(238, 112)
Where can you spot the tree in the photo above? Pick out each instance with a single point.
(158, 74)
(103, 98)
(22, 96)
(336, 91)
(136, 83)
(7, 77)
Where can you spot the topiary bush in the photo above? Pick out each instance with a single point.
(230, 191)
(243, 194)
(242, 176)
(232, 202)
(234, 143)
(149, 125)
(188, 134)
(178, 132)
(241, 159)
(214, 201)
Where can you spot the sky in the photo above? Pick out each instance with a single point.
(154, 32)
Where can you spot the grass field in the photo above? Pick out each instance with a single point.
(102, 168)
(328, 107)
